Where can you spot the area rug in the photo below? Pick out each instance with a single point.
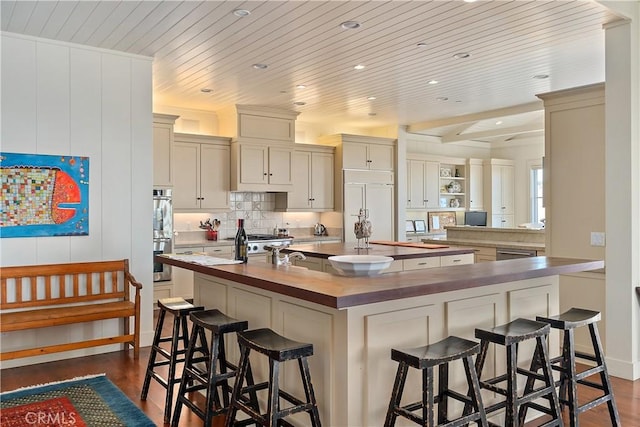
(88, 401)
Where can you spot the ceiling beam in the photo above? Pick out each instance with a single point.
(484, 115)
(493, 133)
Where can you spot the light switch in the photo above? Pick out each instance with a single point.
(597, 238)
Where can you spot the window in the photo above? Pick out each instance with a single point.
(537, 213)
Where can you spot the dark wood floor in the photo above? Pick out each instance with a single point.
(128, 374)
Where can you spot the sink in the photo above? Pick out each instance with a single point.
(360, 265)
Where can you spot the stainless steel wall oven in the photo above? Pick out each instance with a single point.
(162, 232)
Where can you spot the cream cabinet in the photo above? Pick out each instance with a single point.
(373, 191)
(422, 184)
(475, 183)
(313, 181)
(261, 167)
(371, 156)
(202, 172)
(499, 188)
(163, 166)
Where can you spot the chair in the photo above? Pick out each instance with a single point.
(180, 309)
(278, 349)
(566, 365)
(425, 358)
(510, 335)
(217, 370)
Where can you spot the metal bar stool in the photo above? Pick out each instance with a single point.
(566, 365)
(278, 349)
(180, 309)
(426, 358)
(510, 335)
(217, 369)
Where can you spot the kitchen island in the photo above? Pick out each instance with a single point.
(353, 322)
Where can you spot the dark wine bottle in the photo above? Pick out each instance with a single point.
(241, 243)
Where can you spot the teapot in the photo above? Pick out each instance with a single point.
(319, 230)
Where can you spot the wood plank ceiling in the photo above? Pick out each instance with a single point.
(403, 45)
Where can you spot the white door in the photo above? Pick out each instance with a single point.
(300, 197)
(432, 184)
(280, 165)
(416, 190)
(507, 190)
(381, 157)
(253, 164)
(476, 174)
(322, 180)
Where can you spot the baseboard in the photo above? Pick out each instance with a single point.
(623, 369)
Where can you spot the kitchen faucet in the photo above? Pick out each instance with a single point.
(285, 259)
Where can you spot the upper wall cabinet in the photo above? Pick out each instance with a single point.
(258, 167)
(202, 172)
(312, 180)
(163, 168)
(259, 124)
(362, 152)
(422, 184)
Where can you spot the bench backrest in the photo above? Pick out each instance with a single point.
(55, 284)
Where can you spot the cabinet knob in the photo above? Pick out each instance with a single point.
(270, 174)
(265, 174)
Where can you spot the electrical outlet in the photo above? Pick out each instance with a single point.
(597, 238)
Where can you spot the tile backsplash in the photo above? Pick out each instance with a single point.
(257, 209)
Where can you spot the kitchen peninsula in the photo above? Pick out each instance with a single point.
(353, 322)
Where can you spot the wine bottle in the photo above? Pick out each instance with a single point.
(241, 243)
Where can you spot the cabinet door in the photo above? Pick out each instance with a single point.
(354, 200)
(253, 164)
(280, 160)
(186, 180)
(416, 184)
(162, 155)
(214, 176)
(432, 184)
(507, 190)
(476, 196)
(381, 157)
(354, 155)
(379, 202)
(300, 196)
(322, 180)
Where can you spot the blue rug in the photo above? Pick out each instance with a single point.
(91, 401)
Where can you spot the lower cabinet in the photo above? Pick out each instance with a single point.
(182, 280)
(320, 264)
(351, 369)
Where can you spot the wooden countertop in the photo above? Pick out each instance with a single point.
(343, 292)
(325, 250)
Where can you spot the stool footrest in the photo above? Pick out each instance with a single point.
(586, 356)
(593, 403)
(584, 374)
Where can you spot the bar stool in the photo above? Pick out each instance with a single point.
(180, 309)
(426, 358)
(510, 335)
(566, 364)
(217, 369)
(278, 349)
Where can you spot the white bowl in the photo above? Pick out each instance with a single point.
(360, 265)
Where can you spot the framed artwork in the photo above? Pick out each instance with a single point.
(439, 220)
(409, 227)
(421, 227)
(43, 195)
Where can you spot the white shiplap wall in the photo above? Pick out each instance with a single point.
(60, 98)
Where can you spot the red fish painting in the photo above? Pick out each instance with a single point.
(40, 194)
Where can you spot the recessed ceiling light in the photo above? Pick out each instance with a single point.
(301, 86)
(541, 76)
(432, 82)
(442, 98)
(260, 66)
(499, 122)
(359, 67)
(373, 114)
(371, 98)
(206, 90)
(350, 25)
(422, 44)
(300, 103)
(241, 13)
(469, 1)
(462, 55)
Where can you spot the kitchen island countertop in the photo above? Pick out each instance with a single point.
(325, 250)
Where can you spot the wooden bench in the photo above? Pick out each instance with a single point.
(40, 296)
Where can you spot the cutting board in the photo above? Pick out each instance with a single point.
(409, 244)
